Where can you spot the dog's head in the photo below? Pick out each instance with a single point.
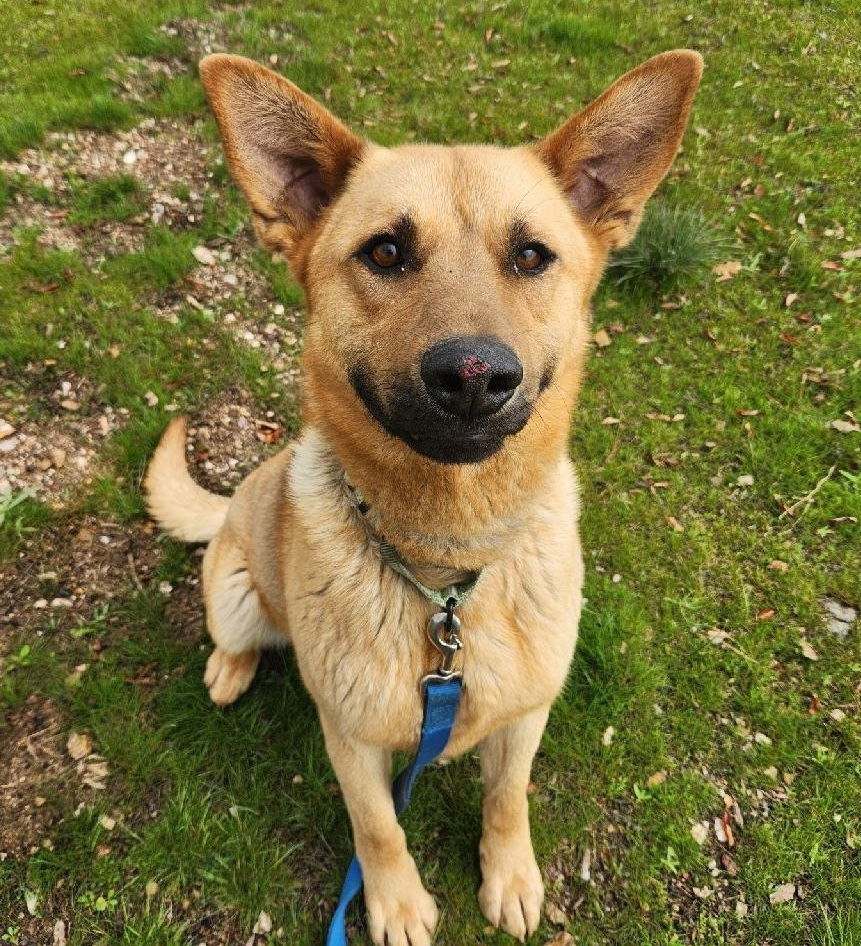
(448, 287)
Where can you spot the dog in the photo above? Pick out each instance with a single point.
(448, 293)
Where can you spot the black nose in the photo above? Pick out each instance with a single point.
(471, 377)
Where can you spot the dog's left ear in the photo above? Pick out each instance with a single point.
(288, 154)
(610, 157)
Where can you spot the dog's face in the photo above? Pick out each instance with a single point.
(445, 285)
(448, 287)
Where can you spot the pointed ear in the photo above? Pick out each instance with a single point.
(287, 153)
(611, 156)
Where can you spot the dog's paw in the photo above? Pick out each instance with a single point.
(228, 676)
(512, 891)
(400, 911)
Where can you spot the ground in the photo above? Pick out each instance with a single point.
(699, 781)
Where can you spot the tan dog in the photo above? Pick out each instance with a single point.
(448, 298)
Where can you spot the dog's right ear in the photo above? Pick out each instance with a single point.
(287, 153)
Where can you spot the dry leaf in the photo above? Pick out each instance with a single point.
(79, 745)
(674, 524)
(562, 938)
(717, 636)
(845, 426)
(586, 865)
(151, 889)
(834, 267)
(658, 778)
(808, 651)
(851, 254)
(609, 421)
(782, 894)
(59, 933)
(776, 565)
(725, 271)
(6, 429)
(556, 916)
(765, 615)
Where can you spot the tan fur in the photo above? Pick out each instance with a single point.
(293, 559)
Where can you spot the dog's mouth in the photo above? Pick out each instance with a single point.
(410, 415)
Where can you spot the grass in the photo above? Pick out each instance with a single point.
(724, 392)
(674, 247)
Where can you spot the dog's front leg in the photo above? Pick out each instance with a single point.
(511, 891)
(400, 911)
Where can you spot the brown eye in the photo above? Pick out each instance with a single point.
(532, 259)
(385, 254)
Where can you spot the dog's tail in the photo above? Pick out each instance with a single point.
(181, 507)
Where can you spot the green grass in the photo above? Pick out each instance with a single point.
(207, 804)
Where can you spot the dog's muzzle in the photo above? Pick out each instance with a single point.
(468, 397)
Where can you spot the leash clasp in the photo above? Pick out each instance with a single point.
(443, 628)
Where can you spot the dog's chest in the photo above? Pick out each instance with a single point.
(362, 649)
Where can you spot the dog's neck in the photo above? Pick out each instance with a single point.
(438, 557)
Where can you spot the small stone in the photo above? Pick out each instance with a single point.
(263, 924)
(741, 909)
(761, 739)
(40, 603)
(744, 480)
(61, 603)
(700, 832)
(843, 612)
(601, 338)
(69, 404)
(151, 889)
(58, 457)
(837, 714)
(165, 588)
(151, 399)
(6, 429)
(556, 916)
(130, 157)
(778, 566)
(107, 822)
(298, 780)
(607, 738)
(278, 308)
(658, 778)
(204, 255)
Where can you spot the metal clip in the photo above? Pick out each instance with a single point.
(443, 630)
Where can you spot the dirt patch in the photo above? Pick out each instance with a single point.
(55, 458)
(66, 581)
(229, 437)
(34, 761)
(169, 158)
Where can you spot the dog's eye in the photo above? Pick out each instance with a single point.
(532, 259)
(386, 255)
(382, 255)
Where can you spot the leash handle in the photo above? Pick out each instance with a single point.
(441, 701)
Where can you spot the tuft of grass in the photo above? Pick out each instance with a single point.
(114, 197)
(674, 245)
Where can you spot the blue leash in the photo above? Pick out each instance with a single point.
(441, 702)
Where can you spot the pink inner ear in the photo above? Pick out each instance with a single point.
(306, 187)
(299, 184)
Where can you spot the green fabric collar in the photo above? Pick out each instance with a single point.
(440, 597)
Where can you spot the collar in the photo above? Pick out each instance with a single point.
(441, 597)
